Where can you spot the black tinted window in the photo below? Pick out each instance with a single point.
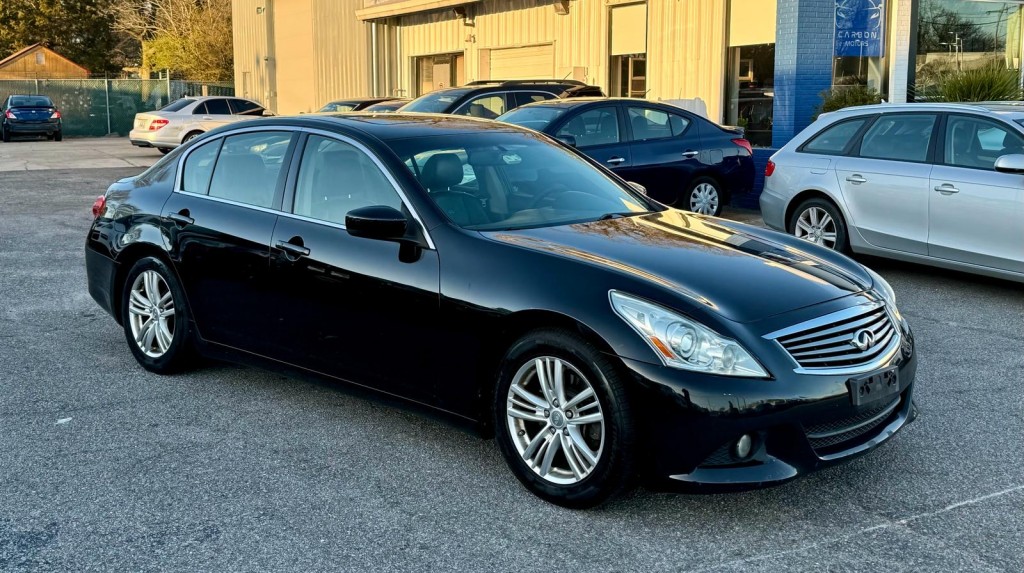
(177, 105)
(655, 124)
(523, 98)
(199, 168)
(217, 107)
(248, 167)
(487, 106)
(598, 126)
(835, 138)
(336, 177)
(31, 101)
(976, 142)
(903, 137)
(199, 109)
(245, 107)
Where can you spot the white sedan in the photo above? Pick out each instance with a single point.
(189, 117)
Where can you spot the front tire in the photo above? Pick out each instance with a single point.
(563, 420)
(704, 196)
(156, 317)
(819, 221)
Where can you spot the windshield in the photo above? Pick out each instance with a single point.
(534, 117)
(435, 102)
(31, 101)
(504, 181)
(177, 105)
(338, 106)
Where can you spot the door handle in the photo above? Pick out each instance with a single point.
(182, 218)
(690, 154)
(293, 249)
(946, 189)
(206, 117)
(615, 161)
(856, 179)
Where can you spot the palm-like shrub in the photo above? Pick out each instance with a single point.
(983, 84)
(840, 97)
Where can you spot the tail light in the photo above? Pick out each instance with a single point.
(157, 124)
(55, 114)
(745, 145)
(10, 115)
(769, 168)
(99, 206)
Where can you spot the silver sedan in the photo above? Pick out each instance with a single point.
(939, 184)
(189, 117)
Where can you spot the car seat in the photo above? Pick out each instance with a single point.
(440, 173)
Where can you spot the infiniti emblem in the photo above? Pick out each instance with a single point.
(862, 339)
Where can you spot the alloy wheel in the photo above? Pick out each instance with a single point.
(555, 420)
(704, 199)
(151, 313)
(816, 226)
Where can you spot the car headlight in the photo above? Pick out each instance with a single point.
(685, 343)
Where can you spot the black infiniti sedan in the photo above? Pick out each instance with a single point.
(30, 115)
(681, 158)
(492, 274)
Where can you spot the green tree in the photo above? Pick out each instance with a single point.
(79, 30)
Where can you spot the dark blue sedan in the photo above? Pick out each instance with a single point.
(681, 158)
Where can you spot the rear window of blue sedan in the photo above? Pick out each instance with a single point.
(533, 117)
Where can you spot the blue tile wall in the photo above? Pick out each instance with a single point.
(805, 31)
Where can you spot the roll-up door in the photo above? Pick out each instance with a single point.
(523, 63)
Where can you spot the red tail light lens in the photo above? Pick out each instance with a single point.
(157, 124)
(10, 115)
(99, 206)
(769, 168)
(745, 145)
(55, 114)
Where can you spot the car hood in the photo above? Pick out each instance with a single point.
(744, 276)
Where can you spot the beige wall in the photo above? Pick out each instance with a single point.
(250, 36)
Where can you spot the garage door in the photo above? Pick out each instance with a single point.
(523, 63)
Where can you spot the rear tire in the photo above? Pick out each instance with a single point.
(704, 196)
(592, 460)
(820, 222)
(164, 150)
(6, 137)
(58, 136)
(155, 316)
(190, 136)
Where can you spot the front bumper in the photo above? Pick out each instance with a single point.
(42, 127)
(798, 423)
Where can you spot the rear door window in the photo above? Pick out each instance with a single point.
(836, 138)
(651, 124)
(199, 168)
(899, 137)
(200, 109)
(488, 106)
(249, 166)
(245, 107)
(523, 98)
(218, 107)
(597, 126)
(977, 143)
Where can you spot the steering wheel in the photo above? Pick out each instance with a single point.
(556, 188)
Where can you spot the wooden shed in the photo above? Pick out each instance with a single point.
(38, 61)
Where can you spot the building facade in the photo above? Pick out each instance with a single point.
(761, 64)
(37, 62)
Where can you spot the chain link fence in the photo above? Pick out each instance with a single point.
(97, 107)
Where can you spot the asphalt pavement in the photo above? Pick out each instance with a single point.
(106, 467)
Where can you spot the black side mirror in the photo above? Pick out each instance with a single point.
(567, 139)
(377, 222)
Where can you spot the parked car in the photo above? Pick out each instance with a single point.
(30, 115)
(189, 117)
(387, 106)
(681, 158)
(595, 332)
(490, 98)
(939, 184)
(356, 104)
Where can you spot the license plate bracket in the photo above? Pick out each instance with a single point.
(877, 386)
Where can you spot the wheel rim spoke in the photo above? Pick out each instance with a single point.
(554, 444)
(529, 396)
(569, 449)
(579, 398)
(580, 446)
(150, 313)
(588, 419)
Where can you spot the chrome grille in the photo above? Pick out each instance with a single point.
(830, 342)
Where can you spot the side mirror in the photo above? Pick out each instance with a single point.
(268, 113)
(376, 222)
(569, 140)
(638, 188)
(1013, 163)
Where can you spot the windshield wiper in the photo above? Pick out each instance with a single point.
(607, 216)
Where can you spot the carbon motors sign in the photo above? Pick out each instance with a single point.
(860, 28)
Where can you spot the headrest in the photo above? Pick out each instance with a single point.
(441, 171)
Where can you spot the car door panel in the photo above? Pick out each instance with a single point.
(598, 133)
(885, 186)
(664, 158)
(976, 214)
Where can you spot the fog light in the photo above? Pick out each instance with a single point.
(743, 446)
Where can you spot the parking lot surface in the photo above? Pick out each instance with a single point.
(107, 467)
(36, 153)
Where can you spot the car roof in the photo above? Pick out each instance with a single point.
(358, 100)
(392, 126)
(1008, 109)
(580, 101)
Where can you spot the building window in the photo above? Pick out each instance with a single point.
(439, 71)
(629, 75)
(953, 35)
(750, 95)
(40, 58)
(860, 40)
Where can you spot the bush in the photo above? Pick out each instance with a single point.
(984, 84)
(847, 96)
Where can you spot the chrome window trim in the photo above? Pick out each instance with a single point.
(179, 176)
(879, 361)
